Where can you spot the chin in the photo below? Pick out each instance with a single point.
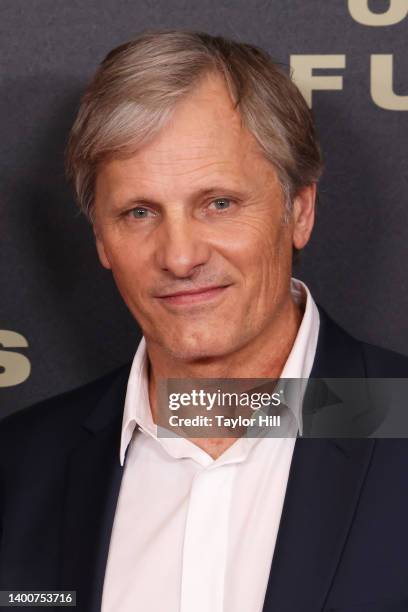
(198, 347)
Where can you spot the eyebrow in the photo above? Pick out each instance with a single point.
(220, 190)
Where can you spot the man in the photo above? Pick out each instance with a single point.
(196, 160)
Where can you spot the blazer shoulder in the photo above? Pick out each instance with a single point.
(60, 413)
(381, 362)
(341, 355)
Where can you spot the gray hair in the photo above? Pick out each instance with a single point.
(138, 84)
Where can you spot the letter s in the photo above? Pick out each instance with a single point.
(16, 367)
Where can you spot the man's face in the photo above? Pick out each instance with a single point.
(192, 228)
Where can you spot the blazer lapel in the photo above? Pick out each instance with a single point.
(323, 489)
(94, 475)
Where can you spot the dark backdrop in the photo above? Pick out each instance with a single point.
(54, 295)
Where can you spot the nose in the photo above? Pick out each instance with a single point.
(181, 246)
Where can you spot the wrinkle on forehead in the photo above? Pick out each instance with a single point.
(205, 124)
(203, 141)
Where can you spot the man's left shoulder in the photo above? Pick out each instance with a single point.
(381, 362)
(342, 355)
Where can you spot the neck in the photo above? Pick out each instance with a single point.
(264, 357)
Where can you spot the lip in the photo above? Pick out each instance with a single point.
(195, 296)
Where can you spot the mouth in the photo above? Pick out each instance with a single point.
(194, 296)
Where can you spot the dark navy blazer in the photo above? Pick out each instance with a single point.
(343, 537)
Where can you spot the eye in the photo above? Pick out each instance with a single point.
(221, 204)
(140, 212)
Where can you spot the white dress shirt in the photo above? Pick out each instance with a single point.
(194, 534)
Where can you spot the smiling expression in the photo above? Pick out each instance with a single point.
(192, 228)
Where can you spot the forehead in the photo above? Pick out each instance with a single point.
(204, 120)
(204, 140)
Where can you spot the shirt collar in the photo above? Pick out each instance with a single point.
(300, 360)
(137, 407)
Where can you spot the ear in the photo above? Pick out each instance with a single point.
(303, 215)
(100, 247)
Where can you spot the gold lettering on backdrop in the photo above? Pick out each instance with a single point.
(16, 367)
(302, 67)
(382, 91)
(359, 10)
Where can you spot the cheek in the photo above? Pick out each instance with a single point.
(130, 270)
(265, 266)
(255, 250)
